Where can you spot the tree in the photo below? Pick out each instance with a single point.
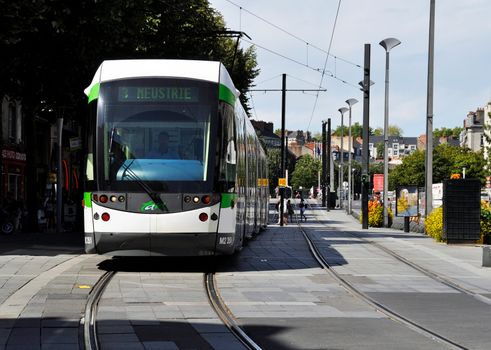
(274, 166)
(447, 160)
(487, 147)
(410, 172)
(50, 51)
(378, 131)
(394, 130)
(306, 172)
(380, 150)
(356, 130)
(448, 132)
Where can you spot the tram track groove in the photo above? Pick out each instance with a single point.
(427, 272)
(224, 313)
(391, 314)
(90, 339)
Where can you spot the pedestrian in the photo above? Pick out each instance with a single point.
(302, 207)
(289, 210)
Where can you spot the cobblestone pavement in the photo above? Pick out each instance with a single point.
(274, 288)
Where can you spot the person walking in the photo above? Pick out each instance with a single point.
(289, 210)
(302, 207)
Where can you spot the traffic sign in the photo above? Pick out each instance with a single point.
(282, 182)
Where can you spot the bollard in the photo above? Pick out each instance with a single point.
(486, 256)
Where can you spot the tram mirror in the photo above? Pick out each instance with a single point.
(231, 153)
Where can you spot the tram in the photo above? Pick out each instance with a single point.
(174, 166)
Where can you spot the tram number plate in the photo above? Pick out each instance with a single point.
(225, 240)
(88, 240)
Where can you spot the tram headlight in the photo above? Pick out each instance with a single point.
(206, 199)
(203, 217)
(103, 199)
(187, 199)
(121, 198)
(95, 197)
(196, 199)
(114, 198)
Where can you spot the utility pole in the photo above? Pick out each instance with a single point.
(59, 182)
(429, 116)
(283, 163)
(283, 136)
(365, 155)
(324, 165)
(328, 161)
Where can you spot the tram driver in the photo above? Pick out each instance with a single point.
(163, 149)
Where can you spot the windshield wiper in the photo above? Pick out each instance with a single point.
(127, 172)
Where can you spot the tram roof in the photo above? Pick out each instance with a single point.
(211, 71)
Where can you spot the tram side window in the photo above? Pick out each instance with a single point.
(228, 160)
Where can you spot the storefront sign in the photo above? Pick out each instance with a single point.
(13, 155)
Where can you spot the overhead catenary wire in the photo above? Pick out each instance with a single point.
(325, 63)
(318, 70)
(289, 33)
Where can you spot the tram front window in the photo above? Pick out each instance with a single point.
(154, 140)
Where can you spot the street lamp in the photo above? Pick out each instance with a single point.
(387, 44)
(341, 110)
(350, 103)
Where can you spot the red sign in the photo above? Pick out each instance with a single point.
(378, 182)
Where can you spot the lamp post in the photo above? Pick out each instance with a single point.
(350, 103)
(341, 110)
(387, 44)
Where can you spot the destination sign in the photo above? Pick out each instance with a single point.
(157, 94)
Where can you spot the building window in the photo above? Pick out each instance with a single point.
(12, 122)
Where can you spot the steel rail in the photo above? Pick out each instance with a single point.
(225, 314)
(375, 304)
(425, 271)
(90, 340)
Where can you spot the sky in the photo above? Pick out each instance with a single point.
(462, 68)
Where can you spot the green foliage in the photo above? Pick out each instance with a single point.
(274, 166)
(410, 172)
(380, 150)
(378, 131)
(356, 130)
(447, 160)
(485, 223)
(448, 132)
(306, 172)
(394, 130)
(434, 224)
(376, 214)
(42, 41)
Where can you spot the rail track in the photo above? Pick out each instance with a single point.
(379, 306)
(89, 337)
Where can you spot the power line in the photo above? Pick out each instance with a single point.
(325, 63)
(318, 70)
(290, 34)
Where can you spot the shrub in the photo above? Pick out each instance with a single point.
(434, 224)
(376, 214)
(485, 223)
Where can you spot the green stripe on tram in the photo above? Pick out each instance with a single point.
(226, 95)
(88, 199)
(227, 199)
(94, 92)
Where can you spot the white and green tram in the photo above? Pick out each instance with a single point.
(173, 166)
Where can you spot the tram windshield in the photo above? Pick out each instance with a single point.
(155, 130)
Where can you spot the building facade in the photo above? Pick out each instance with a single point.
(472, 136)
